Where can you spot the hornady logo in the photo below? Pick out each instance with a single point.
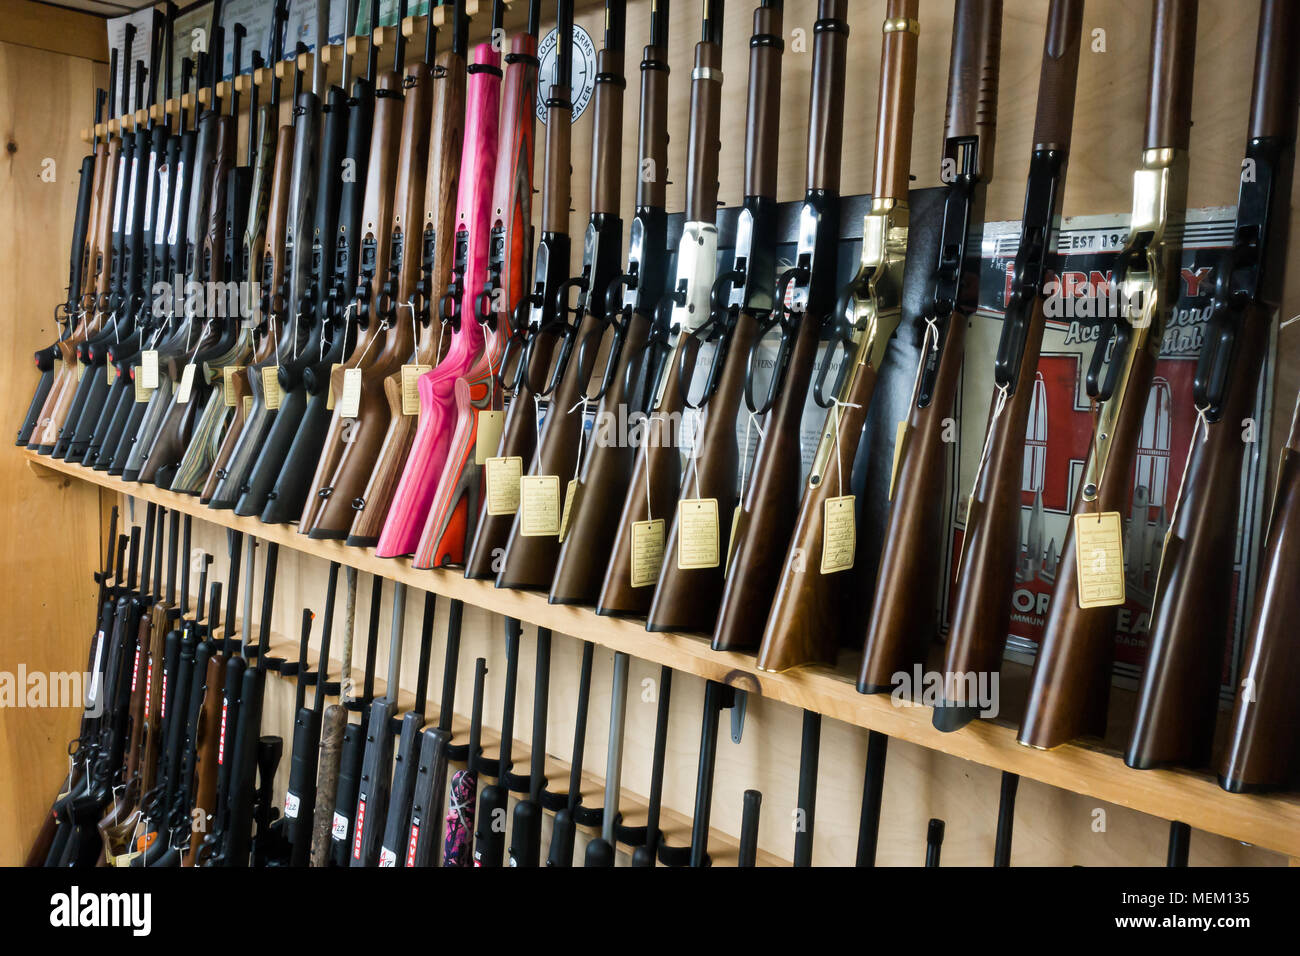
(361, 824)
(75, 909)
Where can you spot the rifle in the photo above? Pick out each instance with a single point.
(213, 342)
(99, 281)
(80, 259)
(526, 826)
(300, 795)
(331, 739)
(381, 345)
(986, 571)
(873, 786)
(405, 762)
(564, 826)
(600, 851)
(1070, 683)
(874, 309)
(307, 333)
(345, 144)
(426, 802)
(434, 270)
(490, 831)
(182, 453)
(933, 841)
(489, 285)
(637, 551)
(689, 588)
(458, 844)
(353, 746)
(125, 251)
(1191, 615)
(1259, 755)
(505, 291)
(270, 264)
(606, 466)
(532, 548)
(809, 754)
(765, 521)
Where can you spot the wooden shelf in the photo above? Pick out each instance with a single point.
(1272, 822)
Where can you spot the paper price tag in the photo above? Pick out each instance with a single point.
(329, 389)
(248, 406)
(349, 405)
(137, 379)
(81, 371)
(571, 493)
(697, 533)
(186, 386)
(411, 388)
(502, 479)
(539, 506)
(228, 393)
(647, 551)
(488, 438)
(1099, 559)
(271, 394)
(110, 372)
(839, 534)
(149, 368)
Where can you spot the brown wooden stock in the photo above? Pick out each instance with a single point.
(763, 110)
(333, 724)
(702, 147)
(607, 136)
(768, 514)
(687, 600)
(267, 123)
(606, 472)
(153, 672)
(1070, 685)
(973, 77)
(437, 212)
(206, 746)
(1056, 81)
(894, 106)
(1173, 54)
(1191, 614)
(658, 475)
(986, 573)
(904, 619)
(809, 608)
(377, 218)
(1261, 753)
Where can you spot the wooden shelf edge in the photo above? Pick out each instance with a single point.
(1271, 822)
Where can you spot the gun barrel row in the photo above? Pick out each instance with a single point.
(407, 359)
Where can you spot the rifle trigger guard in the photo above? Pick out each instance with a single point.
(779, 316)
(841, 340)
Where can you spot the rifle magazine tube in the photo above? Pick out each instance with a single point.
(753, 804)
(933, 842)
(810, 751)
(1006, 819)
(872, 790)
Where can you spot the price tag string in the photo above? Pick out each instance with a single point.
(751, 422)
(582, 434)
(836, 404)
(1203, 426)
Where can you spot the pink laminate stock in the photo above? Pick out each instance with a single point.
(433, 437)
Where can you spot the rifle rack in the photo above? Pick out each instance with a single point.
(1272, 822)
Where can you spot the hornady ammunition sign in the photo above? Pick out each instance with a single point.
(1061, 425)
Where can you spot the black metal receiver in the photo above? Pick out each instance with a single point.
(1030, 271)
(1250, 273)
(353, 751)
(345, 147)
